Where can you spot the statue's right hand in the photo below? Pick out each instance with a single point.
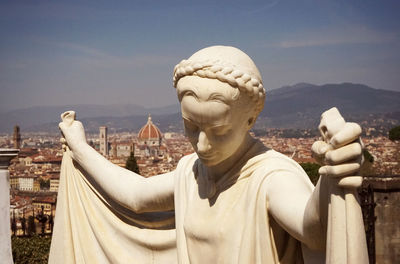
(73, 133)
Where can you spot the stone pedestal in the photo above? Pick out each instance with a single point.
(5, 233)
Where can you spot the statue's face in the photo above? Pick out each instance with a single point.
(215, 124)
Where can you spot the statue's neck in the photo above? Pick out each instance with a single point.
(223, 167)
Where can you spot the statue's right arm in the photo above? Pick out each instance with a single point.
(129, 189)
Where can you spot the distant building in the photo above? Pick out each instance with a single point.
(114, 149)
(54, 183)
(17, 138)
(46, 160)
(48, 203)
(103, 138)
(26, 161)
(121, 149)
(23, 183)
(36, 185)
(149, 141)
(14, 183)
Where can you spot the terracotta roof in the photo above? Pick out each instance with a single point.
(55, 177)
(149, 131)
(44, 199)
(46, 159)
(25, 152)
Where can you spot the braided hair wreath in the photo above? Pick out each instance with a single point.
(223, 72)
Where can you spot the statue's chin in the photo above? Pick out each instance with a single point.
(208, 160)
(211, 161)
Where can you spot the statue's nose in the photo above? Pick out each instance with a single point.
(203, 145)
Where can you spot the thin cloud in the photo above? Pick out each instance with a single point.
(98, 58)
(329, 37)
(83, 49)
(263, 8)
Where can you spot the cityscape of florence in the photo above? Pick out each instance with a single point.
(35, 172)
(120, 87)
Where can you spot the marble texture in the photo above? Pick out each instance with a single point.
(234, 200)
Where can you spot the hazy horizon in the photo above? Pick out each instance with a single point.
(176, 103)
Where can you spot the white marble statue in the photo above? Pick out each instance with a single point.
(234, 200)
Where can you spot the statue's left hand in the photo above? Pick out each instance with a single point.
(341, 155)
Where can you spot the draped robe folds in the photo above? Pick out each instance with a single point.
(91, 228)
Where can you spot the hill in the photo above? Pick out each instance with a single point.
(300, 105)
(297, 106)
(46, 118)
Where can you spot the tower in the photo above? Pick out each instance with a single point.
(17, 137)
(103, 141)
(114, 152)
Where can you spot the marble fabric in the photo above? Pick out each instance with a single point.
(92, 228)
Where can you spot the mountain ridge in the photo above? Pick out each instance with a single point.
(296, 106)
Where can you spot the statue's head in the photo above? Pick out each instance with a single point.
(221, 95)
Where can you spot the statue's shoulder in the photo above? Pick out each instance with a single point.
(187, 162)
(274, 161)
(188, 158)
(270, 156)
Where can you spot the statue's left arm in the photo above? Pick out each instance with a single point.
(303, 211)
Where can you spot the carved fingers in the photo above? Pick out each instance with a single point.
(342, 164)
(352, 151)
(319, 149)
(351, 182)
(341, 155)
(68, 117)
(72, 131)
(63, 142)
(349, 133)
(341, 170)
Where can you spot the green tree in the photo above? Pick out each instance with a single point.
(394, 133)
(367, 156)
(367, 168)
(131, 163)
(44, 184)
(34, 249)
(312, 171)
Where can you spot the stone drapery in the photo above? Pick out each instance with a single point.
(91, 228)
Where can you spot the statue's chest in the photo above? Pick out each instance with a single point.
(212, 224)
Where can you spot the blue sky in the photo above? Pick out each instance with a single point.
(120, 52)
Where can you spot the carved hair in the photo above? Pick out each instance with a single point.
(224, 72)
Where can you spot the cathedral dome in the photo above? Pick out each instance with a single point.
(149, 131)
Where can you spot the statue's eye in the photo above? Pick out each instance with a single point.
(220, 130)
